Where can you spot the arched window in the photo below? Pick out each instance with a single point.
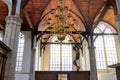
(105, 51)
(20, 52)
(60, 55)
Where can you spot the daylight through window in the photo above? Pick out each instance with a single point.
(20, 52)
(60, 56)
(105, 48)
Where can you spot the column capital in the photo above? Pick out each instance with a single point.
(14, 19)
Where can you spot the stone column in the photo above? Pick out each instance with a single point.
(93, 69)
(117, 19)
(13, 25)
(32, 68)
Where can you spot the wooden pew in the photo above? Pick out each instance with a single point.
(54, 75)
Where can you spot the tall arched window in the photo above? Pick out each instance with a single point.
(60, 55)
(20, 52)
(105, 51)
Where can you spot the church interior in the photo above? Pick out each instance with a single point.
(59, 39)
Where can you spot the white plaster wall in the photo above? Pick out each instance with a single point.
(85, 58)
(37, 56)
(73, 58)
(107, 76)
(117, 43)
(46, 58)
(38, 60)
(21, 76)
(81, 60)
(24, 74)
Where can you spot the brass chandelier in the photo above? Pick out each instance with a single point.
(60, 23)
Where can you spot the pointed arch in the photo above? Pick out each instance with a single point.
(105, 51)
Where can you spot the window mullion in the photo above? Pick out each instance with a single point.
(61, 56)
(105, 53)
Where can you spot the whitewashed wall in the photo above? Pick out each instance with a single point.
(107, 76)
(85, 58)
(46, 58)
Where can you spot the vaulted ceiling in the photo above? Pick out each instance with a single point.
(88, 12)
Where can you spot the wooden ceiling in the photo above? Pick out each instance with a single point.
(88, 11)
(3, 14)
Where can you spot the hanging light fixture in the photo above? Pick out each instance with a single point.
(60, 25)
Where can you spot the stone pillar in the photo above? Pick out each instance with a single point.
(13, 25)
(93, 69)
(32, 68)
(117, 19)
(18, 7)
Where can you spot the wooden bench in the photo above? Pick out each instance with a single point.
(54, 75)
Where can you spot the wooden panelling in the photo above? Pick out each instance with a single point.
(53, 75)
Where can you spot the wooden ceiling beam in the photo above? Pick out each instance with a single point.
(101, 15)
(24, 2)
(99, 19)
(73, 32)
(61, 43)
(1, 27)
(28, 18)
